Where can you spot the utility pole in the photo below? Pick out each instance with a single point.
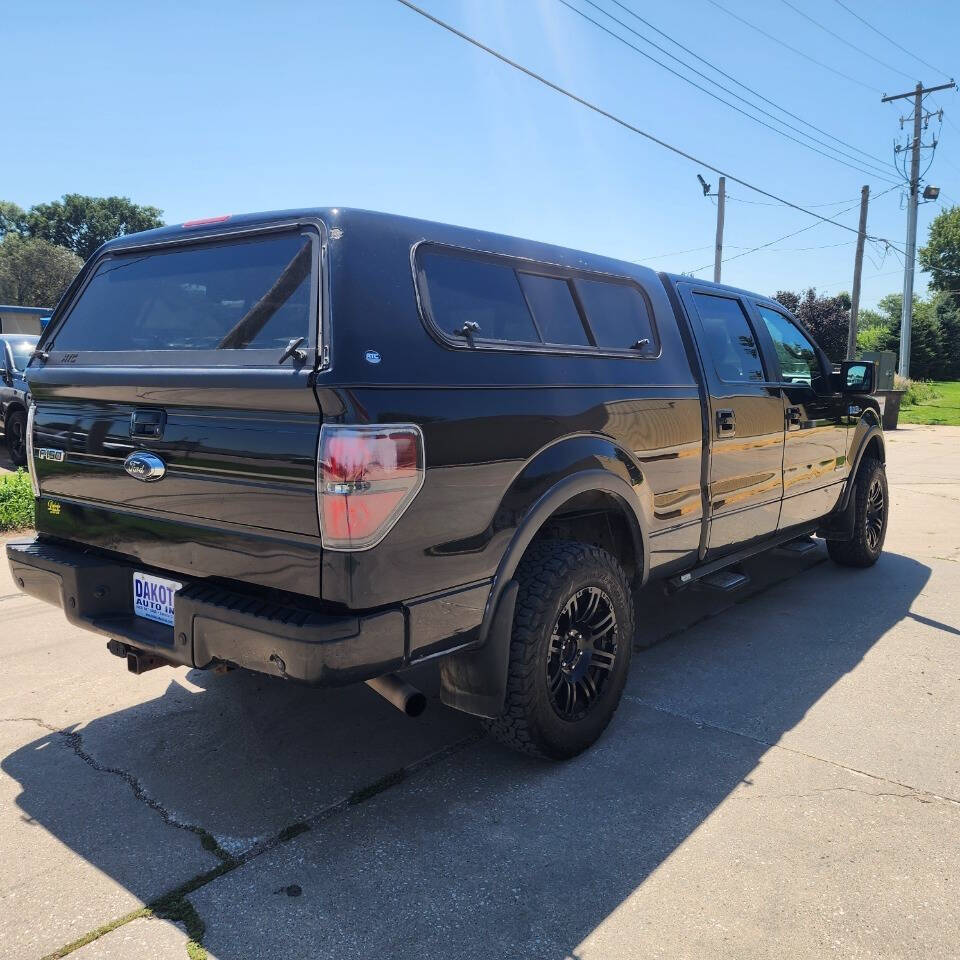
(919, 119)
(857, 270)
(718, 249)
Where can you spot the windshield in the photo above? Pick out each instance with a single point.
(21, 350)
(240, 294)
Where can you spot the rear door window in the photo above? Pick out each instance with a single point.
(252, 295)
(729, 339)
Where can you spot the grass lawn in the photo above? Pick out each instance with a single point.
(945, 409)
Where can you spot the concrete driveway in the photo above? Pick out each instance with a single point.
(782, 779)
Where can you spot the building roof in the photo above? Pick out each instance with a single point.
(30, 311)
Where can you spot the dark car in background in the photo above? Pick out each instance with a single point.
(15, 352)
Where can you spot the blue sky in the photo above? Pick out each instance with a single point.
(210, 107)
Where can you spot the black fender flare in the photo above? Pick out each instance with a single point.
(475, 680)
(868, 428)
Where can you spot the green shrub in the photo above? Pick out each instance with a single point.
(917, 391)
(16, 501)
(873, 338)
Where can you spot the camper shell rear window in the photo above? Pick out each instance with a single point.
(226, 302)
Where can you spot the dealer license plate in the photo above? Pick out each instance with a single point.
(153, 597)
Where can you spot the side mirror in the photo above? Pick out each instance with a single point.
(858, 376)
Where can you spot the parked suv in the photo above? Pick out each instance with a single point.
(15, 352)
(329, 444)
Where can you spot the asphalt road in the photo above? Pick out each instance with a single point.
(782, 779)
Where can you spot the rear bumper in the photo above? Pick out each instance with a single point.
(216, 624)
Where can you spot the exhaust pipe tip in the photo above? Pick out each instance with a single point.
(416, 704)
(404, 696)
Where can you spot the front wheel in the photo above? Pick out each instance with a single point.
(570, 650)
(16, 430)
(870, 509)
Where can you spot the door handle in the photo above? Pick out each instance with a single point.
(147, 423)
(726, 423)
(794, 418)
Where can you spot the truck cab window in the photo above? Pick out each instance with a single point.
(730, 339)
(797, 356)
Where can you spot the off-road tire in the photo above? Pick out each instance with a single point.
(16, 432)
(549, 576)
(864, 548)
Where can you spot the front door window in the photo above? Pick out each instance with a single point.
(799, 362)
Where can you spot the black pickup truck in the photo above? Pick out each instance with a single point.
(329, 444)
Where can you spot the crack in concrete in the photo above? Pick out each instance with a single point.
(74, 740)
(917, 796)
(700, 722)
(175, 906)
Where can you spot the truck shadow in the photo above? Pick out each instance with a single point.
(247, 759)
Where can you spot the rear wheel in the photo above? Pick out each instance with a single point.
(16, 431)
(871, 506)
(570, 650)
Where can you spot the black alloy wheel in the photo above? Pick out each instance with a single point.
(870, 503)
(570, 649)
(875, 514)
(583, 650)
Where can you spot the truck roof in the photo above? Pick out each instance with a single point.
(373, 222)
(387, 226)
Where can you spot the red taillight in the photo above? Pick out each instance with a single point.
(366, 477)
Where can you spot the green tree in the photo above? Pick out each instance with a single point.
(13, 219)
(33, 272)
(947, 310)
(83, 223)
(927, 357)
(827, 318)
(941, 256)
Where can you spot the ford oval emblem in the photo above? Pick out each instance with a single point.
(144, 466)
(371, 356)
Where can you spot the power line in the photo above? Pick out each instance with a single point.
(787, 236)
(733, 79)
(769, 243)
(674, 253)
(862, 168)
(879, 33)
(837, 36)
(837, 283)
(799, 53)
(734, 246)
(860, 165)
(764, 203)
(503, 58)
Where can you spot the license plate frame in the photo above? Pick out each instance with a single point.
(154, 597)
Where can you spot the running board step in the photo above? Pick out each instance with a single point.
(725, 581)
(799, 546)
(706, 572)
